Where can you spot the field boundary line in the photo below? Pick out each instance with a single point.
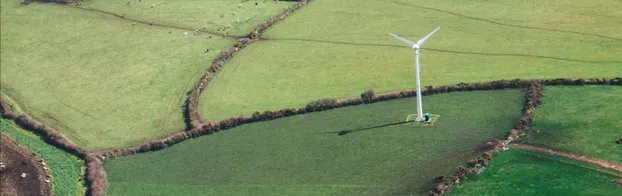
(156, 24)
(200, 128)
(445, 51)
(593, 161)
(503, 24)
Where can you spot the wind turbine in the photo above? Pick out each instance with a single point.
(417, 46)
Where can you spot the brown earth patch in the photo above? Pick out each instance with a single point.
(17, 160)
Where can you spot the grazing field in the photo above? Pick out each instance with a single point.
(64, 167)
(524, 172)
(586, 120)
(97, 79)
(340, 48)
(195, 14)
(303, 154)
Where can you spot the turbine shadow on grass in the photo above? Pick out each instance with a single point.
(450, 51)
(343, 132)
(503, 24)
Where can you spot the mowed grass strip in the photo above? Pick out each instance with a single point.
(64, 167)
(340, 48)
(196, 13)
(585, 120)
(100, 81)
(303, 155)
(524, 172)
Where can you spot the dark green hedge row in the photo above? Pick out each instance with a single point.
(199, 128)
(533, 99)
(95, 174)
(202, 128)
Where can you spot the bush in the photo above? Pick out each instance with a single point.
(368, 96)
(6, 111)
(321, 104)
(96, 176)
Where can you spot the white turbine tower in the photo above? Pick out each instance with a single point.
(417, 46)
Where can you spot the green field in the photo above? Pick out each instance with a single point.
(585, 120)
(522, 172)
(340, 48)
(195, 14)
(64, 167)
(94, 77)
(303, 155)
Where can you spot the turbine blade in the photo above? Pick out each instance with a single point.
(426, 37)
(410, 43)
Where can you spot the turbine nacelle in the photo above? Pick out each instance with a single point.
(413, 44)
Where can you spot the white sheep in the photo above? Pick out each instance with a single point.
(23, 175)
(185, 33)
(152, 5)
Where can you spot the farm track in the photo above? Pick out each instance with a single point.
(593, 161)
(502, 24)
(449, 51)
(156, 24)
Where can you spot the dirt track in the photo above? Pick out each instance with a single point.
(593, 161)
(18, 160)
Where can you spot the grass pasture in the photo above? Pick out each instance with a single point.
(341, 48)
(584, 120)
(523, 172)
(64, 167)
(195, 14)
(94, 77)
(303, 155)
